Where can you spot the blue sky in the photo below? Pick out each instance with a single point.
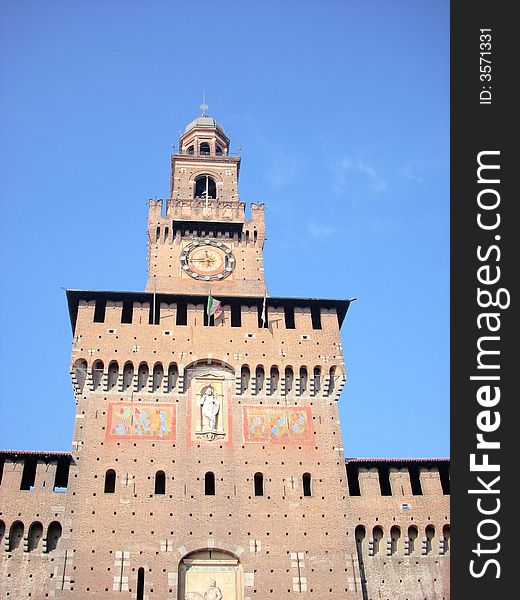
(341, 109)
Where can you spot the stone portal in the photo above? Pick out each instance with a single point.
(210, 575)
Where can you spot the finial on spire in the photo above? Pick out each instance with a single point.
(204, 107)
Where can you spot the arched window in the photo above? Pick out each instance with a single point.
(395, 534)
(113, 372)
(190, 150)
(158, 375)
(218, 150)
(204, 149)
(128, 375)
(140, 583)
(303, 380)
(289, 380)
(53, 536)
(360, 535)
(142, 376)
(377, 536)
(317, 380)
(205, 187)
(413, 532)
(275, 377)
(245, 376)
(173, 374)
(332, 381)
(110, 481)
(80, 373)
(34, 536)
(445, 539)
(307, 484)
(429, 535)
(259, 484)
(97, 373)
(209, 484)
(160, 483)
(260, 377)
(15, 536)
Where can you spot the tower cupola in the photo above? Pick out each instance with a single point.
(204, 137)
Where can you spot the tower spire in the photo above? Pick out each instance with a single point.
(204, 107)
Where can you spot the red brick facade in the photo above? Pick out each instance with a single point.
(207, 459)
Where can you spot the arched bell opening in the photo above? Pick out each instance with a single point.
(205, 187)
(204, 149)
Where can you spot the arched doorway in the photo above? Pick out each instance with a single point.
(210, 575)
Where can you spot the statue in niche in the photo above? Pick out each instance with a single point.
(210, 407)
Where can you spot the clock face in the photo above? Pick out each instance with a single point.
(207, 260)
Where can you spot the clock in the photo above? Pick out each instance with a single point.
(207, 260)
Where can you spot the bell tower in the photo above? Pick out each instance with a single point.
(203, 242)
(208, 444)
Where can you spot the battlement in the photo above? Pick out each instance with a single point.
(146, 346)
(398, 477)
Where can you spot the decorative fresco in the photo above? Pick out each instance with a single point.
(273, 424)
(138, 421)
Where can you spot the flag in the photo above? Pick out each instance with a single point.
(263, 316)
(214, 307)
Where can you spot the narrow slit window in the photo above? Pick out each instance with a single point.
(160, 483)
(259, 484)
(140, 583)
(110, 481)
(209, 484)
(307, 484)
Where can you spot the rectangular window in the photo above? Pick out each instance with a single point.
(236, 315)
(444, 473)
(127, 312)
(384, 481)
(99, 311)
(182, 313)
(415, 480)
(61, 480)
(154, 317)
(28, 474)
(316, 317)
(289, 317)
(353, 480)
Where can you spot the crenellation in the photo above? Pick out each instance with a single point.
(400, 482)
(431, 482)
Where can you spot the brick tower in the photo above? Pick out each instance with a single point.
(208, 446)
(207, 461)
